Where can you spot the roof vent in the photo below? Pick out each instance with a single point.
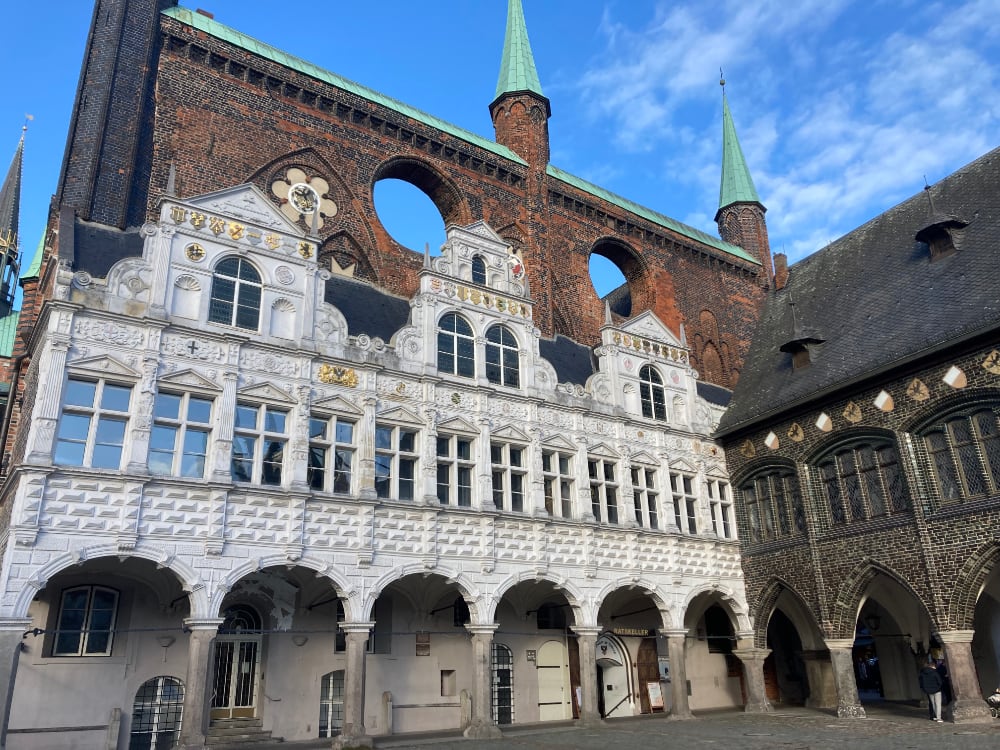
(801, 343)
(940, 233)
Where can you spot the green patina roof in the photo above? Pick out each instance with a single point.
(8, 332)
(517, 68)
(31, 272)
(227, 34)
(650, 215)
(736, 185)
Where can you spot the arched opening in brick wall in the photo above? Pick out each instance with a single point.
(414, 204)
(618, 276)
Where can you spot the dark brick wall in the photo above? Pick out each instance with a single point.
(941, 550)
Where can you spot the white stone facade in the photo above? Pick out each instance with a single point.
(569, 525)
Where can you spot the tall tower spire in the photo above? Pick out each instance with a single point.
(520, 110)
(741, 214)
(10, 209)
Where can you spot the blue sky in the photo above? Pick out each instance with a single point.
(842, 107)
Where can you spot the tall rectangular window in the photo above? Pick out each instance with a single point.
(721, 506)
(331, 454)
(454, 470)
(685, 502)
(86, 622)
(557, 472)
(93, 424)
(178, 443)
(645, 497)
(509, 475)
(603, 490)
(395, 462)
(259, 441)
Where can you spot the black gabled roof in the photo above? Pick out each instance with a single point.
(573, 362)
(97, 247)
(367, 309)
(714, 394)
(875, 298)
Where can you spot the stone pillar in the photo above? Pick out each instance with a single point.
(354, 733)
(819, 673)
(587, 642)
(678, 673)
(224, 423)
(366, 450)
(11, 636)
(842, 659)
(969, 706)
(197, 683)
(482, 727)
(753, 669)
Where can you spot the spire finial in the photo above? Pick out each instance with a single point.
(930, 198)
(607, 313)
(517, 68)
(722, 81)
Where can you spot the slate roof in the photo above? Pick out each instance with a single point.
(573, 362)
(367, 309)
(97, 247)
(877, 300)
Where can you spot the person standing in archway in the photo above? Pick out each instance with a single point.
(931, 683)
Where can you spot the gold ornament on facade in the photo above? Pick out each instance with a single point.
(852, 413)
(236, 231)
(992, 362)
(217, 225)
(337, 375)
(178, 214)
(195, 252)
(302, 196)
(795, 433)
(197, 219)
(747, 450)
(917, 390)
(305, 250)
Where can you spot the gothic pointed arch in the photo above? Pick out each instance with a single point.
(442, 190)
(341, 254)
(803, 616)
(711, 364)
(969, 583)
(846, 604)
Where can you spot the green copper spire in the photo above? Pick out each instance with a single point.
(517, 69)
(737, 186)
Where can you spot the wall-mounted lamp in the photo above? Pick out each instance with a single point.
(165, 641)
(300, 640)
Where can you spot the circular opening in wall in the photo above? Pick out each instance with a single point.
(409, 215)
(610, 283)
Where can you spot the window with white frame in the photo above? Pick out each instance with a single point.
(331, 454)
(86, 621)
(721, 506)
(652, 394)
(259, 441)
(478, 270)
(685, 502)
(395, 461)
(331, 704)
(645, 497)
(557, 472)
(178, 442)
(509, 475)
(157, 713)
(93, 424)
(603, 489)
(236, 294)
(455, 462)
(502, 365)
(456, 346)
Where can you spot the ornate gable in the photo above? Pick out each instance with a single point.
(400, 414)
(247, 204)
(558, 442)
(190, 379)
(266, 392)
(509, 432)
(102, 367)
(457, 424)
(604, 450)
(337, 404)
(649, 326)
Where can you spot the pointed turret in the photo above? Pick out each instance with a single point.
(10, 208)
(520, 110)
(741, 214)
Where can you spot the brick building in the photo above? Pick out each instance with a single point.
(273, 475)
(864, 445)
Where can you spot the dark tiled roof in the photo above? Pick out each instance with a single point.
(574, 362)
(367, 309)
(875, 298)
(714, 394)
(97, 247)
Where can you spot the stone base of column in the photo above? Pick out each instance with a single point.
(759, 707)
(192, 743)
(680, 715)
(970, 711)
(482, 730)
(851, 711)
(351, 741)
(590, 719)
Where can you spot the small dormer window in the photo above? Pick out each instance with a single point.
(479, 270)
(939, 239)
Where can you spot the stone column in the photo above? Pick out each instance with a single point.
(753, 668)
(819, 673)
(482, 726)
(587, 642)
(224, 423)
(197, 683)
(842, 658)
(354, 733)
(11, 636)
(366, 450)
(678, 673)
(51, 364)
(969, 706)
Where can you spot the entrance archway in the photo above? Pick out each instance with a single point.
(236, 671)
(615, 684)
(986, 641)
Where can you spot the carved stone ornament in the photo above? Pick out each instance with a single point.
(337, 375)
(852, 413)
(302, 196)
(992, 362)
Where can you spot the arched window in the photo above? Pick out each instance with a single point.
(863, 480)
(654, 398)
(236, 291)
(156, 714)
(331, 704)
(964, 449)
(502, 366)
(478, 270)
(456, 346)
(773, 500)
(503, 684)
